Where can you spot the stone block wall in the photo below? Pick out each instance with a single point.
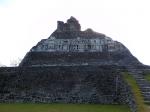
(82, 58)
(90, 84)
(65, 84)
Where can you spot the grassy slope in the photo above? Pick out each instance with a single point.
(147, 76)
(137, 93)
(62, 108)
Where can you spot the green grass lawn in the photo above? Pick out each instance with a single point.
(62, 108)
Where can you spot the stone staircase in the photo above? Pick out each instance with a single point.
(142, 82)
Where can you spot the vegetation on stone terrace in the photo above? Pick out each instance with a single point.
(147, 76)
(137, 93)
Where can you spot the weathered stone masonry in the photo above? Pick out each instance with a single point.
(71, 66)
(69, 38)
(91, 84)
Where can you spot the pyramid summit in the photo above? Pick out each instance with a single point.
(72, 29)
(68, 37)
(71, 25)
(68, 45)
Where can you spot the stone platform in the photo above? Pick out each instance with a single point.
(63, 84)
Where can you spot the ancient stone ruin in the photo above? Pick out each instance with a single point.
(72, 66)
(68, 45)
(69, 38)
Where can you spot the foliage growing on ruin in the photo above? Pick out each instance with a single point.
(137, 93)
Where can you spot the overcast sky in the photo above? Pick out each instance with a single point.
(25, 22)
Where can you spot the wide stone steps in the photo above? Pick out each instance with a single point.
(144, 85)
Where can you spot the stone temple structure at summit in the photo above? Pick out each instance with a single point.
(80, 42)
(68, 45)
(62, 40)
